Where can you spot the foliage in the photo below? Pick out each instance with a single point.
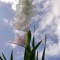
(4, 58)
(29, 54)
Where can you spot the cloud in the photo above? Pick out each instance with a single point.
(55, 9)
(50, 25)
(19, 55)
(9, 1)
(50, 20)
(53, 50)
(13, 2)
(13, 45)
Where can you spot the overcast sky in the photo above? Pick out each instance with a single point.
(46, 22)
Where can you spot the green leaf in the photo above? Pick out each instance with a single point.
(33, 43)
(11, 57)
(37, 56)
(3, 56)
(26, 55)
(45, 40)
(27, 48)
(36, 46)
(28, 38)
(43, 56)
(34, 49)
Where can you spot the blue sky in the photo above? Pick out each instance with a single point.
(47, 22)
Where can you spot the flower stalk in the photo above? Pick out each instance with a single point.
(23, 15)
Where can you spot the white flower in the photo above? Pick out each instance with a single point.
(22, 21)
(23, 15)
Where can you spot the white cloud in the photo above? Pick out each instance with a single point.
(53, 50)
(9, 1)
(58, 32)
(13, 45)
(56, 7)
(50, 21)
(6, 21)
(13, 2)
(50, 24)
(19, 54)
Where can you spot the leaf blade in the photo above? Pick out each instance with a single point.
(43, 56)
(1, 58)
(36, 46)
(11, 57)
(34, 49)
(4, 56)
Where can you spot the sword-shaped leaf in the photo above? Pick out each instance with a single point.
(36, 46)
(37, 56)
(4, 56)
(43, 56)
(27, 48)
(34, 49)
(1, 58)
(33, 45)
(11, 57)
(28, 39)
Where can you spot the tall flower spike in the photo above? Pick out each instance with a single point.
(23, 15)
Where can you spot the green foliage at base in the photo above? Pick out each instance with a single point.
(30, 52)
(4, 58)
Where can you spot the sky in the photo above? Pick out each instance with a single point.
(46, 22)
